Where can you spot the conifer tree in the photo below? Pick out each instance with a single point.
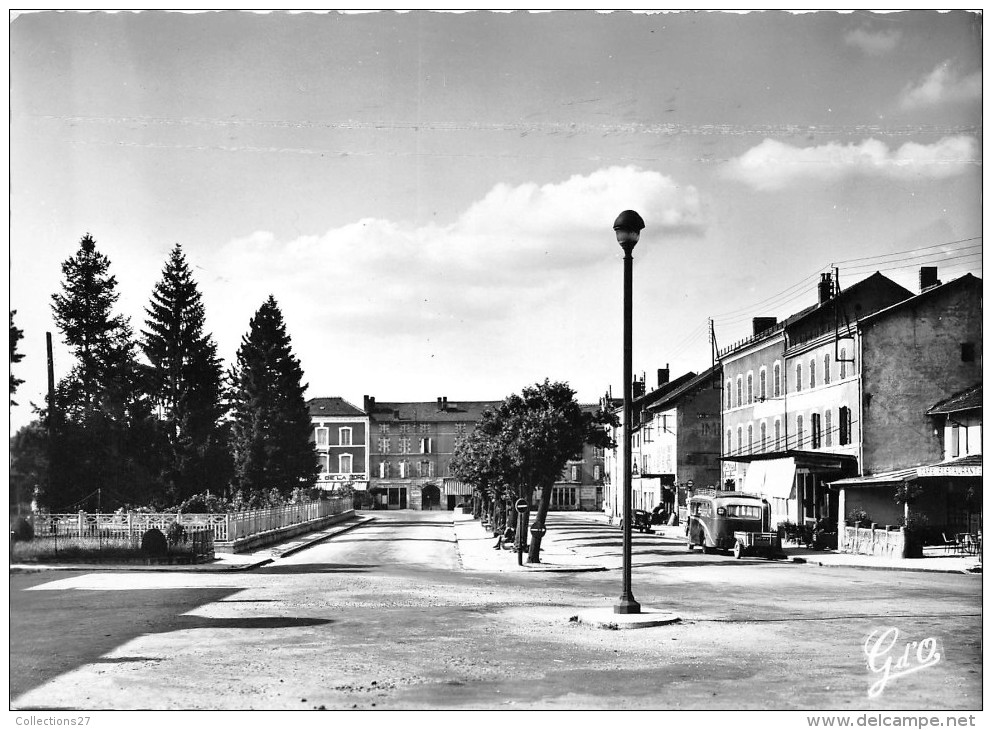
(102, 426)
(184, 381)
(271, 422)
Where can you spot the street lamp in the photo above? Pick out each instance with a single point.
(628, 227)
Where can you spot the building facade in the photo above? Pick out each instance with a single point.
(581, 487)
(341, 438)
(411, 446)
(837, 391)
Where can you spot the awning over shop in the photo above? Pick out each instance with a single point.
(878, 480)
(773, 478)
(454, 487)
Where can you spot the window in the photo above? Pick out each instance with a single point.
(460, 429)
(730, 390)
(323, 463)
(647, 434)
(344, 464)
(320, 436)
(812, 373)
(563, 497)
(573, 472)
(740, 440)
(383, 469)
(777, 380)
(426, 468)
(826, 369)
(799, 432)
(646, 464)
(815, 431)
(730, 441)
(762, 384)
(404, 470)
(344, 434)
(967, 352)
(404, 444)
(404, 428)
(843, 363)
(844, 423)
(750, 438)
(425, 428)
(744, 511)
(799, 377)
(597, 472)
(383, 429)
(750, 388)
(826, 428)
(778, 434)
(740, 390)
(384, 445)
(764, 436)
(427, 446)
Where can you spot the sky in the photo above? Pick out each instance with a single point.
(430, 196)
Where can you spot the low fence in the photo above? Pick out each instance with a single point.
(221, 527)
(878, 542)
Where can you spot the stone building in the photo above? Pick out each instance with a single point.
(341, 438)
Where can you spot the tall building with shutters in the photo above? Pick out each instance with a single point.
(411, 445)
(341, 438)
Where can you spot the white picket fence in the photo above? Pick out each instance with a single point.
(225, 527)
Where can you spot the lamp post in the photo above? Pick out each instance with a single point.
(628, 227)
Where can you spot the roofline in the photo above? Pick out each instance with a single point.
(917, 297)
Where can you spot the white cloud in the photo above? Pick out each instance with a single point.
(771, 165)
(521, 257)
(873, 43)
(942, 85)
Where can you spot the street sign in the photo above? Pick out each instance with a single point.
(538, 529)
(521, 505)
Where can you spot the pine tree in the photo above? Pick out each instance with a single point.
(184, 380)
(271, 422)
(101, 429)
(16, 334)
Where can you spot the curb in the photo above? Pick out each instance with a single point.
(891, 568)
(293, 549)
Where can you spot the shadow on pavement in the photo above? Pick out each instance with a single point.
(304, 568)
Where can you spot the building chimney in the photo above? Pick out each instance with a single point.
(638, 388)
(826, 287)
(663, 375)
(928, 278)
(445, 404)
(368, 402)
(439, 403)
(761, 324)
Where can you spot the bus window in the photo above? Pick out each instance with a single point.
(744, 511)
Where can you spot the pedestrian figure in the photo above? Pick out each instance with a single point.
(506, 537)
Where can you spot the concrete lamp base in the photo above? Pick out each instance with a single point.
(605, 618)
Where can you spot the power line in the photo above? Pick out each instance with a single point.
(900, 253)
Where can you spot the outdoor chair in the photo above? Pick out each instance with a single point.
(950, 542)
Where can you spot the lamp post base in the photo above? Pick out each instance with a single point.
(626, 604)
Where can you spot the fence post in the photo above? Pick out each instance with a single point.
(82, 519)
(130, 528)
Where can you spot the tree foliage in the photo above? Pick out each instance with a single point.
(184, 379)
(524, 444)
(271, 423)
(16, 334)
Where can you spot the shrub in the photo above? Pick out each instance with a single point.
(21, 530)
(175, 533)
(154, 544)
(859, 517)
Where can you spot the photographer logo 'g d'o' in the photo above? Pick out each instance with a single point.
(889, 659)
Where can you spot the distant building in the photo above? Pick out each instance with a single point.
(581, 483)
(341, 438)
(411, 446)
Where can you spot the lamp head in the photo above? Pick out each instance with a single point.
(628, 227)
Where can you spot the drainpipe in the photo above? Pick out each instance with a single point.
(861, 406)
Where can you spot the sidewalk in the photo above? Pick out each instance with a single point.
(475, 548)
(934, 560)
(224, 562)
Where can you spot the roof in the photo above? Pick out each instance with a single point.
(333, 406)
(932, 291)
(966, 400)
(660, 392)
(690, 386)
(966, 466)
(877, 480)
(429, 411)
